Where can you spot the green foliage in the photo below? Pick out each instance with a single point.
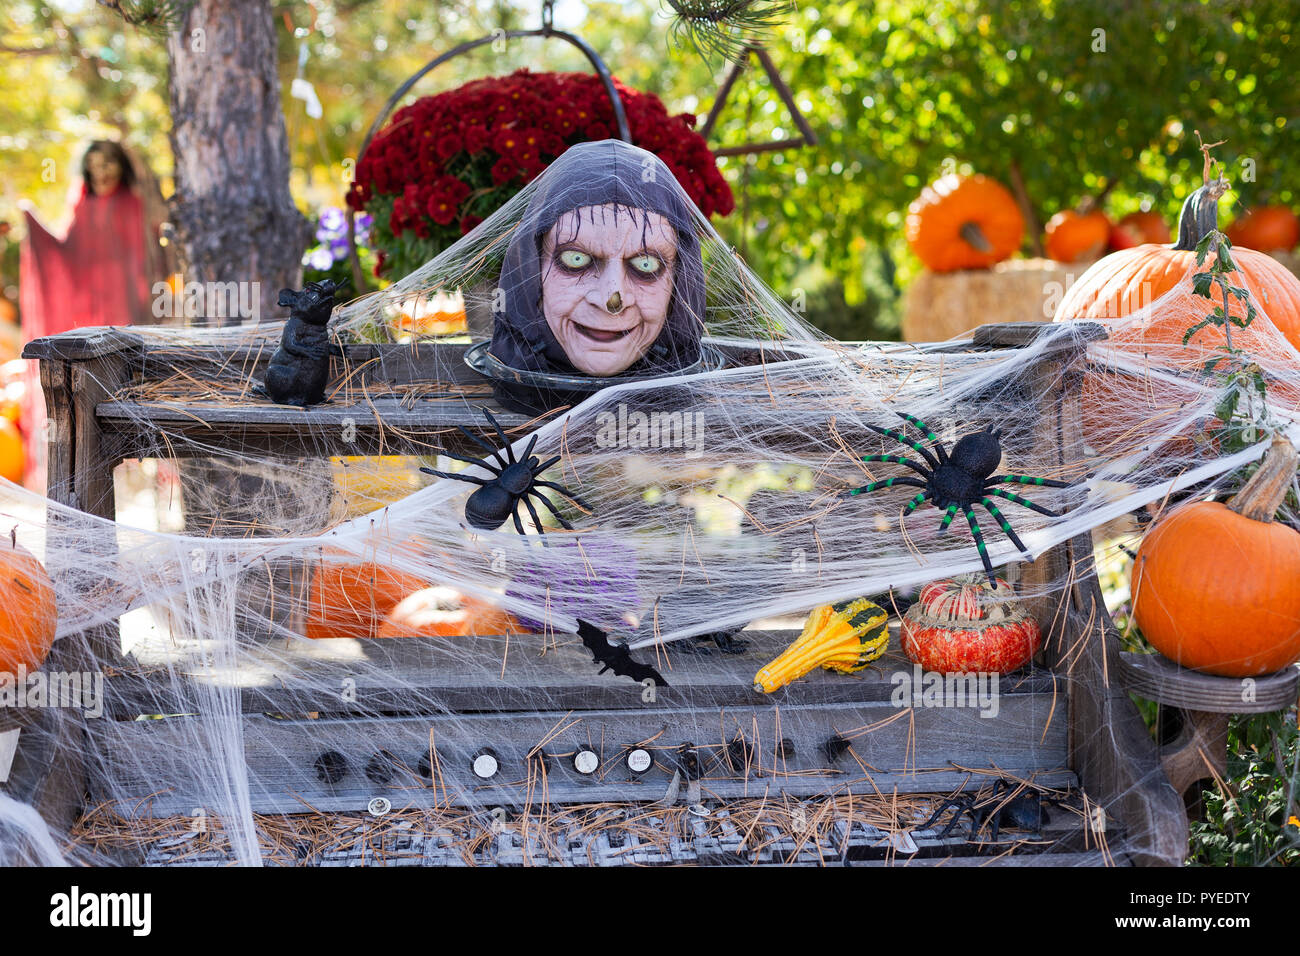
(872, 319)
(71, 73)
(1205, 283)
(160, 17)
(898, 91)
(901, 91)
(1242, 408)
(1257, 822)
(724, 27)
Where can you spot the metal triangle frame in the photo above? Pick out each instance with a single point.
(806, 135)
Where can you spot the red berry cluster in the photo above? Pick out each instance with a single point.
(446, 161)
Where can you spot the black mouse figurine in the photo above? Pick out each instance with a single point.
(300, 367)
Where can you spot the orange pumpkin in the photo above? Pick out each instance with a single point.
(1129, 280)
(1266, 228)
(444, 612)
(352, 600)
(1137, 228)
(962, 625)
(28, 614)
(12, 456)
(1076, 237)
(437, 314)
(1217, 587)
(1120, 410)
(964, 222)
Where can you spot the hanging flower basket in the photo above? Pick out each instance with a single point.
(447, 161)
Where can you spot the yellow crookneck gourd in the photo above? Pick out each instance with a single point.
(839, 637)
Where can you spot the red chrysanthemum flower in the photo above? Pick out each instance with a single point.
(503, 170)
(446, 161)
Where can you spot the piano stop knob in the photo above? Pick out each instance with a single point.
(639, 760)
(485, 764)
(585, 761)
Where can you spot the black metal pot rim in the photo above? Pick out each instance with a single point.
(489, 366)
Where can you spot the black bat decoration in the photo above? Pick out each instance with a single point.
(616, 658)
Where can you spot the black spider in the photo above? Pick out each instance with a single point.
(514, 481)
(959, 481)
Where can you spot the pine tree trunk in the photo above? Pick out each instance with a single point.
(232, 212)
(235, 221)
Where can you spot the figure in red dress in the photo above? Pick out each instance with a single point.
(98, 274)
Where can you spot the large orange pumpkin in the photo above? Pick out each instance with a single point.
(1077, 237)
(1217, 587)
(964, 222)
(444, 612)
(1127, 281)
(1123, 411)
(1266, 228)
(28, 614)
(352, 600)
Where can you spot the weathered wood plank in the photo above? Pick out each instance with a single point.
(1021, 334)
(1117, 857)
(1117, 762)
(426, 413)
(888, 748)
(394, 363)
(50, 769)
(82, 344)
(1114, 755)
(399, 675)
(1157, 678)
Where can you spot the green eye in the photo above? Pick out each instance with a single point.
(646, 264)
(574, 259)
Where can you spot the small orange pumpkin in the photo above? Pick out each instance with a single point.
(12, 456)
(1216, 587)
(1076, 237)
(1266, 229)
(28, 614)
(352, 600)
(964, 222)
(1137, 228)
(437, 314)
(445, 612)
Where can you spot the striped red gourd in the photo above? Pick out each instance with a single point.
(961, 625)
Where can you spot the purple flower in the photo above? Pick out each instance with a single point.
(597, 584)
(332, 228)
(319, 259)
(333, 219)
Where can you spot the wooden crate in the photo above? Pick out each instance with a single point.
(1064, 723)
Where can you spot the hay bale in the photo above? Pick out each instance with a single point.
(941, 306)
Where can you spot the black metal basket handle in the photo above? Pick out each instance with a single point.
(546, 31)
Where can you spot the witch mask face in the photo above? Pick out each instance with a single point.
(607, 283)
